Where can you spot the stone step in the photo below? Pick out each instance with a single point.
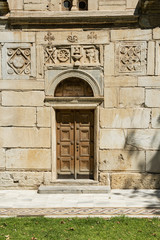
(73, 189)
(72, 182)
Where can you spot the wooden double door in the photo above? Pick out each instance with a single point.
(75, 144)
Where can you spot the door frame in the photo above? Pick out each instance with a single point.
(76, 106)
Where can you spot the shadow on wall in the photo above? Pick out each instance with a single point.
(4, 7)
(149, 11)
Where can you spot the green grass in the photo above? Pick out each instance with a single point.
(119, 228)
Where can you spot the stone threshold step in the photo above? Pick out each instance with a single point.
(72, 182)
(73, 189)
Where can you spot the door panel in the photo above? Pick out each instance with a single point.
(65, 143)
(75, 143)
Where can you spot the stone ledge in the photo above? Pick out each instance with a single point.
(73, 189)
(59, 17)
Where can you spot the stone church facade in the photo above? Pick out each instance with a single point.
(79, 93)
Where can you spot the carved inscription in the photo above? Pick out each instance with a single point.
(19, 61)
(131, 57)
(73, 55)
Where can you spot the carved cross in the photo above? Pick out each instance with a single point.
(49, 38)
(92, 36)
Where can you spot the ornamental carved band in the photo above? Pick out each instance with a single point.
(131, 57)
(72, 55)
(19, 61)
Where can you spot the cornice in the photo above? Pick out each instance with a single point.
(72, 18)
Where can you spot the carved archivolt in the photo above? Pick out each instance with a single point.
(92, 82)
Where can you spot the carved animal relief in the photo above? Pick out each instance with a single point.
(131, 57)
(19, 61)
(72, 55)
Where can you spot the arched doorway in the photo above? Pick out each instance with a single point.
(74, 133)
(73, 87)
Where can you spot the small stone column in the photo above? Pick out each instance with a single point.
(74, 5)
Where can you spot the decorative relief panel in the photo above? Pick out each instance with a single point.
(66, 37)
(18, 61)
(89, 55)
(131, 58)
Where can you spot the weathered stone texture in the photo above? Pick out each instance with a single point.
(37, 159)
(132, 97)
(109, 60)
(120, 81)
(132, 4)
(125, 118)
(17, 116)
(43, 117)
(153, 161)
(0, 98)
(25, 137)
(21, 179)
(2, 158)
(131, 34)
(144, 139)
(156, 33)
(152, 98)
(112, 139)
(135, 181)
(11, 98)
(120, 160)
(155, 118)
(148, 81)
(111, 96)
(151, 58)
(22, 85)
(17, 36)
(104, 179)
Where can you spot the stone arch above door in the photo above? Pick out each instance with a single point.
(73, 87)
(53, 80)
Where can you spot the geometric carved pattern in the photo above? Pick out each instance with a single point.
(131, 57)
(81, 211)
(19, 61)
(72, 55)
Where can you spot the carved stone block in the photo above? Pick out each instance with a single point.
(73, 37)
(18, 61)
(131, 58)
(88, 55)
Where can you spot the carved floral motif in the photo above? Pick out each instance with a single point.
(131, 57)
(19, 61)
(63, 55)
(72, 38)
